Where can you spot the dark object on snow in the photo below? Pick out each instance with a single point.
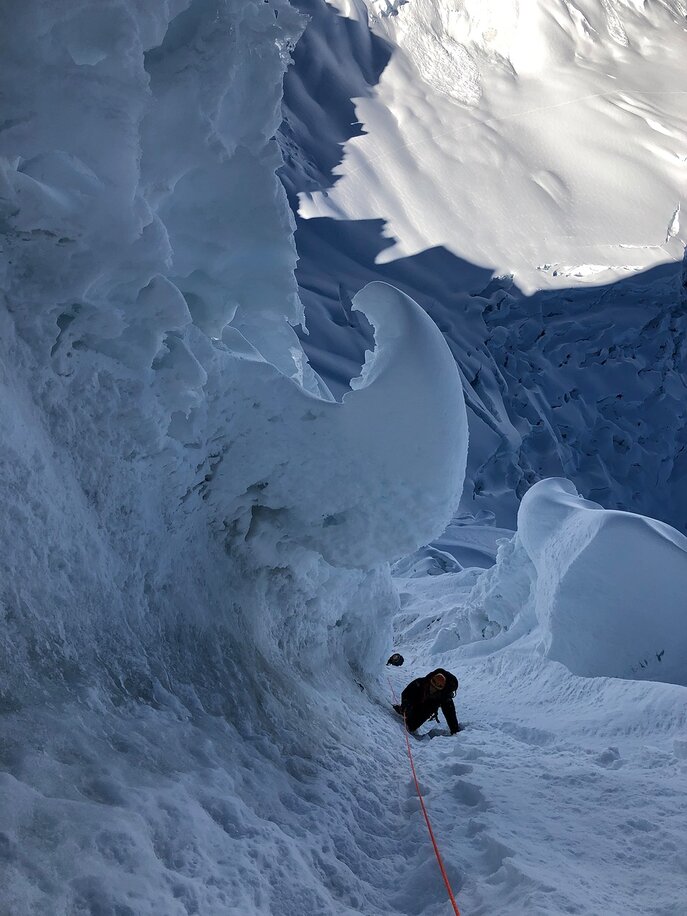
(423, 697)
(396, 659)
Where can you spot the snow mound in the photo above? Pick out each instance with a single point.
(376, 476)
(599, 590)
(610, 587)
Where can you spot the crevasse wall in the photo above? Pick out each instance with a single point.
(194, 534)
(118, 114)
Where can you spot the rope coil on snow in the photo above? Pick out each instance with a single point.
(424, 811)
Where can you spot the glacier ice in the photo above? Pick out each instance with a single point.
(610, 586)
(598, 590)
(194, 532)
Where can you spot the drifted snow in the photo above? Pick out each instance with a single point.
(610, 586)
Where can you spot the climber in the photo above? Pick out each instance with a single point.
(423, 697)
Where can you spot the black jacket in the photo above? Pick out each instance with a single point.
(419, 704)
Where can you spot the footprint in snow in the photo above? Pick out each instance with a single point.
(640, 823)
(470, 795)
(610, 759)
(494, 854)
(537, 737)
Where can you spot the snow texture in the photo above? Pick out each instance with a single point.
(610, 586)
(584, 376)
(196, 597)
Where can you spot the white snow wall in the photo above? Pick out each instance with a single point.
(192, 531)
(148, 285)
(127, 178)
(599, 590)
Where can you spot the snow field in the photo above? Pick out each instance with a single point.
(557, 131)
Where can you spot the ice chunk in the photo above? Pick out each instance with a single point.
(610, 588)
(405, 428)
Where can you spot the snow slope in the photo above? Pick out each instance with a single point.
(564, 793)
(398, 175)
(196, 600)
(558, 130)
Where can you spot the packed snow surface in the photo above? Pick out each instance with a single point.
(196, 596)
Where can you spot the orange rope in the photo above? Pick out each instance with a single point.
(424, 811)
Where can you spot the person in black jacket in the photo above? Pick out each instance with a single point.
(423, 697)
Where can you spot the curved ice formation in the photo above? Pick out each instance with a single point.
(610, 586)
(190, 264)
(376, 476)
(150, 292)
(406, 418)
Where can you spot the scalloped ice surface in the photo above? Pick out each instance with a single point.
(191, 541)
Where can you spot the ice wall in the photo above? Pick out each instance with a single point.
(610, 586)
(149, 282)
(119, 116)
(193, 531)
(599, 590)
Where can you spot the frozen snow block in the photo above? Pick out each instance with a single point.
(610, 589)
(403, 430)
